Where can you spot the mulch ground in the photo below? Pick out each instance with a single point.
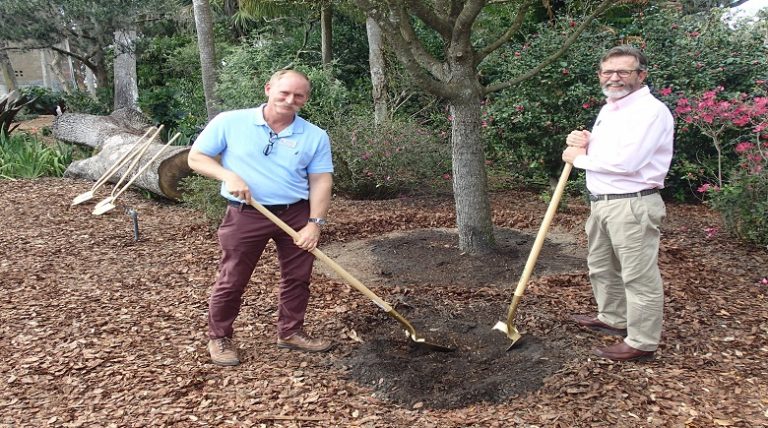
(100, 329)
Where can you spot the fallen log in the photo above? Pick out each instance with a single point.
(112, 136)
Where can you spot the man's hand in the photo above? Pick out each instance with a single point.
(578, 138)
(237, 187)
(309, 236)
(577, 142)
(570, 154)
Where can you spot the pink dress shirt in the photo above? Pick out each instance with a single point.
(630, 148)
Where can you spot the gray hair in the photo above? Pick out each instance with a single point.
(279, 74)
(627, 50)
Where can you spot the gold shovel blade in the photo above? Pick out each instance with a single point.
(510, 331)
(99, 210)
(79, 199)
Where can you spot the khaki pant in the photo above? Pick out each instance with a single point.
(623, 265)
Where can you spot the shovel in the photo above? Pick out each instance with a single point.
(508, 327)
(135, 160)
(108, 203)
(409, 330)
(129, 154)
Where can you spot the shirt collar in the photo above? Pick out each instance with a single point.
(629, 99)
(296, 127)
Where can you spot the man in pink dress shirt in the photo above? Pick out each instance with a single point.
(626, 157)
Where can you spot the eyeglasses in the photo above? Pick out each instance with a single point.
(272, 139)
(621, 73)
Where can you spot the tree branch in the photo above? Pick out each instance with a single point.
(602, 7)
(507, 36)
(433, 20)
(422, 67)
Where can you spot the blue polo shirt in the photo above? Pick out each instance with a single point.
(281, 177)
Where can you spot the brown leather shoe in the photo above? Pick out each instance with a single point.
(595, 324)
(623, 352)
(301, 341)
(223, 351)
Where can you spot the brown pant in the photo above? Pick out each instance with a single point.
(243, 235)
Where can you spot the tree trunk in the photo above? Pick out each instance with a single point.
(161, 177)
(378, 71)
(126, 86)
(92, 130)
(326, 31)
(204, 26)
(113, 136)
(6, 68)
(470, 183)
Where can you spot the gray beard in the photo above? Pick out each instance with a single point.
(615, 95)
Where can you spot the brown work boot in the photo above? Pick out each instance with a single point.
(594, 324)
(623, 352)
(223, 351)
(301, 341)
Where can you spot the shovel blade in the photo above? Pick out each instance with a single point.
(79, 199)
(105, 201)
(510, 331)
(99, 210)
(422, 343)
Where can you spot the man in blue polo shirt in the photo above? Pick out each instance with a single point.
(284, 163)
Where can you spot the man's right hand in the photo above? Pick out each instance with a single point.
(237, 187)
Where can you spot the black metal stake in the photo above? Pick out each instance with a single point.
(135, 218)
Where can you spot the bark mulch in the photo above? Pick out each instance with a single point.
(98, 329)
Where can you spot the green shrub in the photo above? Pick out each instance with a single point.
(743, 201)
(202, 194)
(23, 156)
(170, 94)
(47, 100)
(393, 159)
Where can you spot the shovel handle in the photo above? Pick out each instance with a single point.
(146, 165)
(136, 157)
(120, 162)
(324, 258)
(539, 242)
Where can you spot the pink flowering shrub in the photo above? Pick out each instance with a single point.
(741, 197)
(391, 160)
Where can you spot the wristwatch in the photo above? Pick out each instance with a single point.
(317, 220)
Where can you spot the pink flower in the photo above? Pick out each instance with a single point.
(519, 108)
(365, 156)
(446, 176)
(706, 187)
(743, 147)
(566, 72)
(665, 91)
(586, 106)
(518, 54)
(711, 231)
(764, 280)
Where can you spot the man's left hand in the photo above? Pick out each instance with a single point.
(570, 153)
(309, 237)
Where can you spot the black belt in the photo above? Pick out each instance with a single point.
(595, 198)
(274, 209)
